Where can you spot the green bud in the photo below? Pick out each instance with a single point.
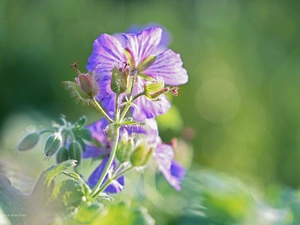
(86, 134)
(155, 89)
(29, 142)
(62, 155)
(53, 143)
(75, 152)
(82, 121)
(141, 155)
(124, 150)
(88, 84)
(119, 79)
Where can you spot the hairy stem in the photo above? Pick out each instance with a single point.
(99, 107)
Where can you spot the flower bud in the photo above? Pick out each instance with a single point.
(53, 143)
(82, 121)
(119, 79)
(141, 155)
(62, 155)
(75, 152)
(29, 142)
(88, 84)
(154, 89)
(124, 150)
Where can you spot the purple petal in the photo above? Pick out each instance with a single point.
(143, 44)
(107, 51)
(166, 38)
(164, 155)
(93, 151)
(177, 171)
(147, 108)
(168, 65)
(100, 135)
(114, 187)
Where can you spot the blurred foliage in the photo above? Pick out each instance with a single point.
(240, 109)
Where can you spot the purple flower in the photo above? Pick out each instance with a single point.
(163, 154)
(136, 50)
(102, 148)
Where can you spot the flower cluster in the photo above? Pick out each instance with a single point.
(133, 72)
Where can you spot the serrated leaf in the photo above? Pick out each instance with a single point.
(68, 192)
(87, 212)
(54, 170)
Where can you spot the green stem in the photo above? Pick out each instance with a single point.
(109, 180)
(109, 163)
(99, 107)
(129, 103)
(117, 108)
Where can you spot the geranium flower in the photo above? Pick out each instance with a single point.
(102, 148)
(139, 51)
(163, 154)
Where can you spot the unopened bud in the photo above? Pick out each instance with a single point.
(124, 150)
(62, 155)
(141, 155)
(88, 84)
(82, 121)
(155, 89)
(75, 152)
(119, 79)
(85, 88)
(29, 142)
(53, 143)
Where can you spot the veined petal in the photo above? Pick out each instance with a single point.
(169, 66)
(107, 51)
(164, 155)
(143, 44)
(177, 172)
(116, 186)
(93, 151)
(98, 133)
(147, 108)
(166, 36)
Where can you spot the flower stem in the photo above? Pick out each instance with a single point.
(129, 103)
(109, 180)
(99, 107)
(95, 191)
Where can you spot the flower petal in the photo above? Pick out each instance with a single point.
(147, 108)
(107, 51)
(114, 187)
(166, 38)
(168, 65)
(164, 155)
(143, 44)
(100, 135)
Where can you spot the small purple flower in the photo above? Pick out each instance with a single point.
(163, 154)
(137, 51)
(102, 149)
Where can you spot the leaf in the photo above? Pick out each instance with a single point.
(141, 217)
(67, 193)
(54, 170)
(87, 212)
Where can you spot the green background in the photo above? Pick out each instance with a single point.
(242, 57)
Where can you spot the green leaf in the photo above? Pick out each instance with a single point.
(87, 212)
(68, 193)
(54, 170)
(141, 217)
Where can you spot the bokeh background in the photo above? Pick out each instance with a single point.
(240, 110)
